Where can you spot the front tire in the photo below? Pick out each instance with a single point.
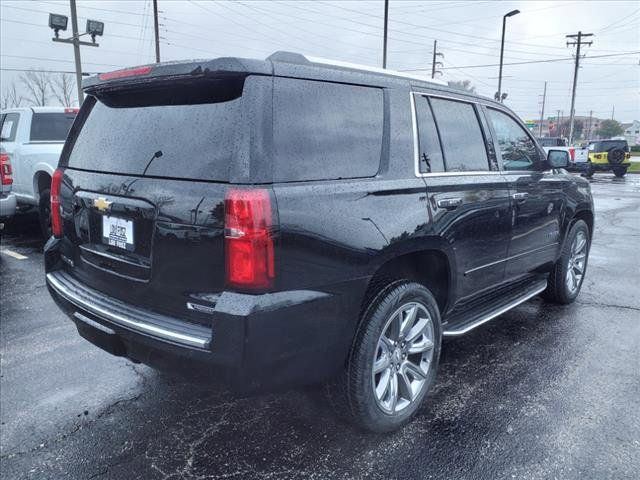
(620, 171)
(567, 276)
(44, 213)
(393, 361)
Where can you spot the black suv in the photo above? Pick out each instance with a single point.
(293, 221)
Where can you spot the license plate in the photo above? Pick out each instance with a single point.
(117, 232)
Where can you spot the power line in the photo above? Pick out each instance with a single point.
(526, 63)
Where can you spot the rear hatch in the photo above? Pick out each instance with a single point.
(148, 169)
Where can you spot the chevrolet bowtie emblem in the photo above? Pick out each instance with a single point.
(102, 204)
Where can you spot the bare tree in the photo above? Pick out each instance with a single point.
(10, 97)
(62, 88)
(37, 85)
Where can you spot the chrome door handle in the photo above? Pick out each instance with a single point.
(449, 203)
(520, 196)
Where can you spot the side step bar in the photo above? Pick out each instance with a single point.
(460, 326)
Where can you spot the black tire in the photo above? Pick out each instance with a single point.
(589, 170)
(351, 394)
(616, 156)
(557, 289)
(44, 213)
(619, 171)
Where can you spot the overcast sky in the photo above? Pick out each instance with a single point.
(468, 34)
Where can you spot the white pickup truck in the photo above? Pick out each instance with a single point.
(578, 157)
(33, 138)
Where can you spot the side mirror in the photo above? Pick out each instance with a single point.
(558, 158)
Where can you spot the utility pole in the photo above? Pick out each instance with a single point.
(544, 99)
(613, 112)
(578, 43)
(559, 122)
(76, 50)
(434, 63)
(590, 123)
(384, 45)
(155, 24)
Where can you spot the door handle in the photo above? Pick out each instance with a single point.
(520, 197)
(449, 203)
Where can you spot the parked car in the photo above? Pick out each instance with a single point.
(33, 141)
(578, 156)
(609, 156)
(348, 220)
(7, 199)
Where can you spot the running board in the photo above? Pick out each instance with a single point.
(464, 322)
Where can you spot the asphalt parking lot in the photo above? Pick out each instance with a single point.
(542, 392)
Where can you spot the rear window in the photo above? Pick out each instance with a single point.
(194, 141)
(51, 126)
(326, 131)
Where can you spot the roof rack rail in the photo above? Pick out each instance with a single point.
(298, 58)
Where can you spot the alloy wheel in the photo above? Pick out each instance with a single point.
(402, 358)
(577, 262)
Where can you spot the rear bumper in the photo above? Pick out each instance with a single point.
(7, 205)
(254, 341)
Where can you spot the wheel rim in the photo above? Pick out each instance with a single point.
(577, 262)
(402, 358)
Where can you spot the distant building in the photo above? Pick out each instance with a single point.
(550, 127)
(632, 132)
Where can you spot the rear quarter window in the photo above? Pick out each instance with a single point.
(9, 127)
(325, 131)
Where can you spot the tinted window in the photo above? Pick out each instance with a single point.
(552, 142)
(429, 152)
(516, 147)
(51, 126)
(462, 140)
(197, 141)
(325, 131)
(9, 127)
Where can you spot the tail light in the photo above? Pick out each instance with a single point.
(6, 172)
(572, 154)
(56, 217)
(248, 239)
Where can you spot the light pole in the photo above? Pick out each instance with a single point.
(498, 95)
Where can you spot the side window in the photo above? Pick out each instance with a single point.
(326, 131)
(429, 152)
(9, 127)
(516, 147)
(461, 136)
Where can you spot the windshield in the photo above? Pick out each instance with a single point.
(606, 145)
(51, 126)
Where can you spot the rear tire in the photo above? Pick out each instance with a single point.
(619, 171)
(567, 276)
(390, 369)
(44, 213)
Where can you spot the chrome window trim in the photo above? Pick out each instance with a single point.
(416, 147)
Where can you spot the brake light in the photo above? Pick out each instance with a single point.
(56, 216)
(71, 110)
(572, 154)
(6, 173)
(248, 240)
(127, 72)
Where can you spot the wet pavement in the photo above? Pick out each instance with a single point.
(541, 392)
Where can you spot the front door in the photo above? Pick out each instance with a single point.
(537, 199)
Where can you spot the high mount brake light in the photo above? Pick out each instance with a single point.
(56, 216)
(128, 72)
(249, 258)
(6, 172)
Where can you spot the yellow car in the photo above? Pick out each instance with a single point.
(607, 156)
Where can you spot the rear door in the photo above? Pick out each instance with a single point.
(146, 176)
(537, 197)
(468, 197)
